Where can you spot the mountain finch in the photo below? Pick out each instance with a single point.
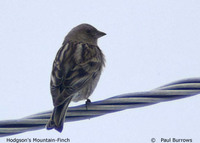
(76, 71)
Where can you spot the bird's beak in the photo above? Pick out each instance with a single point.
(100, 34)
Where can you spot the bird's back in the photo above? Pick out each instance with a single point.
(76, 71)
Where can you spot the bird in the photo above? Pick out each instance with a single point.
(76, 71)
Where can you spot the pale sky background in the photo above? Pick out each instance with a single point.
(149, 43)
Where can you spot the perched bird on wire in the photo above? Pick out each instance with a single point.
(76, 71)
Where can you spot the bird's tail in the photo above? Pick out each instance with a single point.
(58, 116)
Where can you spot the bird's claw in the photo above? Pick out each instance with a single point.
(88, 101)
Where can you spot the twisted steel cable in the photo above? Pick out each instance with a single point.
(176, 90)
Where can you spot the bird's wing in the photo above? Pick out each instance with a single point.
(72, 70)
(59, 69)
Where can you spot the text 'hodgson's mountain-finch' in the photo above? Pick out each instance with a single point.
(76, 71)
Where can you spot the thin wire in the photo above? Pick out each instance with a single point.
(172, 91)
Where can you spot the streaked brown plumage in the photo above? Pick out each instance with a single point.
(76, 71)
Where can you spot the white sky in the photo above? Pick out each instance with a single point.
(149, 43)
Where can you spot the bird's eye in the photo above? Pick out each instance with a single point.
(88, 31)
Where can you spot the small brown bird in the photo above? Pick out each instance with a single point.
(76, 71)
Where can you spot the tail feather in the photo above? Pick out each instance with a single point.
(58, 116)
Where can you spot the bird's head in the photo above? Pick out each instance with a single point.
(85, 33)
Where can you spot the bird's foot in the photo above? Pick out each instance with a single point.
(88, 102)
